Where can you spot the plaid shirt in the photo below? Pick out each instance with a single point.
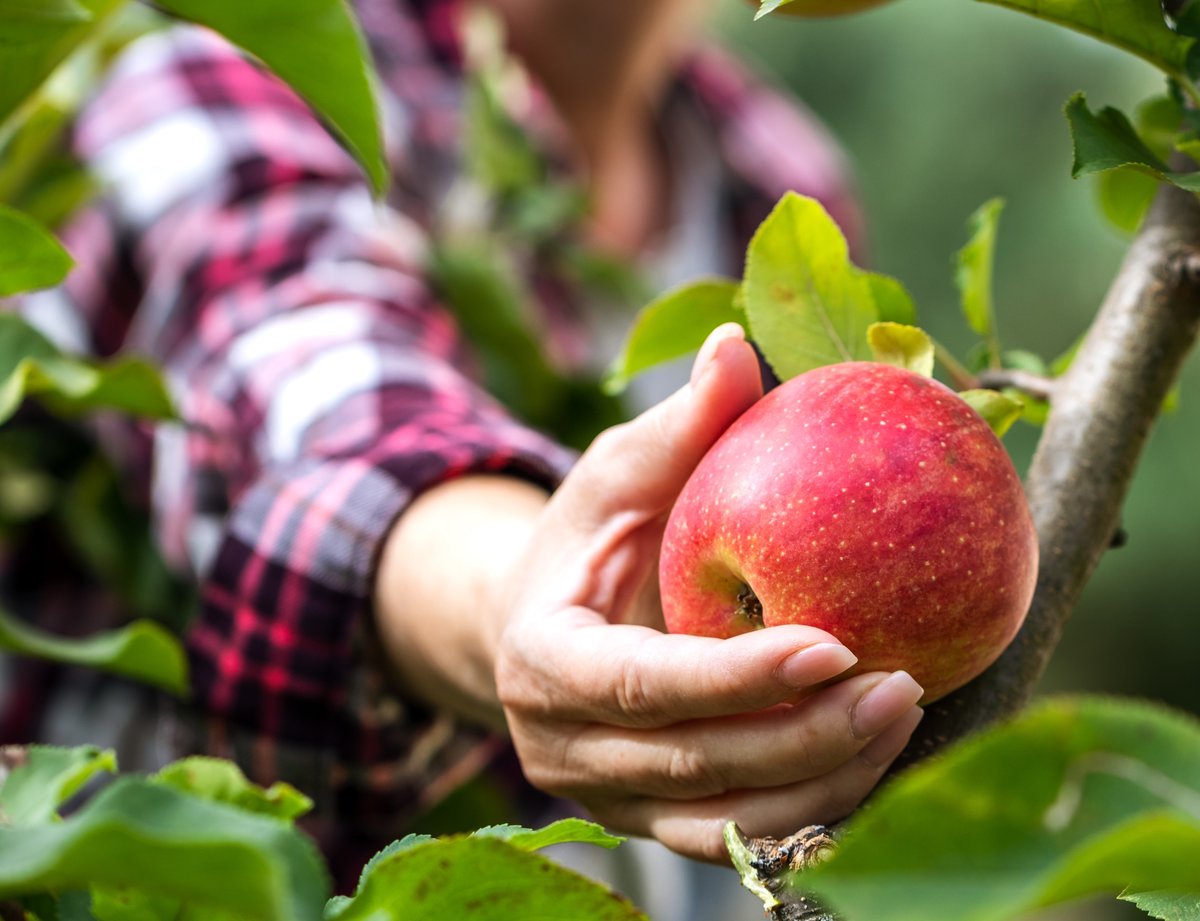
(321, 382)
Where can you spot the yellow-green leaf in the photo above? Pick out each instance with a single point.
(999, 410)
(903, 346)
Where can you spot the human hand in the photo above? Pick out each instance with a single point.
(666, 735)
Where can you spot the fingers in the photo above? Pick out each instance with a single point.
(576, 667)
(704, 758)
(644, 463)
(693, 828)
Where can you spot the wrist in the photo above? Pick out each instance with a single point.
(444, 588)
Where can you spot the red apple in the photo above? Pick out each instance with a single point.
(866, 500)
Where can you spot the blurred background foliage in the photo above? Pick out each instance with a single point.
(942, 104)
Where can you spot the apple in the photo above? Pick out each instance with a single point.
(869, 501)
(816, 8)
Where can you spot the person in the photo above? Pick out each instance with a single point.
(397, 580)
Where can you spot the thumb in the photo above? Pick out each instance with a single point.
(643, 464)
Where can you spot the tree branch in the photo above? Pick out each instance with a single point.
(1102, 413)
(1103, 410)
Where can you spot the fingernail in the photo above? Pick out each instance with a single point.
(885, 703)
(708, 351)
(881, 750)
(814, 664)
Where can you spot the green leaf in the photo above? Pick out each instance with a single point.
(807, 305)
(46, 779)
(484, 878)
(111, 903)
(30, 256)
(486, 299)
(1106, 140)
(35, 37)
(142, 650)
(32, 365)
(499, 153)
(903, 346)
(114, 541)
(1168, 906)
(973, 274)
(999, 410)
(1136, 26)
(146, 837)
(892, 301)
(672, 326)
(223, 782)
(1125, 196)
(317, 48)
(1074, 798)
(564, 831)
(1024, 360)
(1159, 120)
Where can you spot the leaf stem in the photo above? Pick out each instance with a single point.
(959, 375)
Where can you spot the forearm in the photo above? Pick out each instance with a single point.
(440, 594)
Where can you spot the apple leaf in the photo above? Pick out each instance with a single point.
(46, 778)
(1136, 26)
(999, 410)
(148, 838)
(289, 37)
(1167, 906)
(483, 877)
(973, 274)
(1125, 196)
(903, 346)
(806, 303)
(1106, 140)
(564, 831)
(35, 37)
(31, 365)
(892, 301)
(143, 650)
(516, 837)
(30, 256)
(1076, 797)
(223, 782)
(674, 325)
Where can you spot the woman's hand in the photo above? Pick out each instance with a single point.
(669, 735)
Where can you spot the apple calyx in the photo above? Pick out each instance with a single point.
(749, 608)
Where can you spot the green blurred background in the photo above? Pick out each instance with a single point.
(941, 105)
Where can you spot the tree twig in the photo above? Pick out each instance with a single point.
(1104, 408)
(1036, 385)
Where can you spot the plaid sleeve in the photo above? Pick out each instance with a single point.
(322, 391)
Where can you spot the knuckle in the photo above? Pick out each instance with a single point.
(689, 771)
(544, 764)
(632, 696)
(609, 444)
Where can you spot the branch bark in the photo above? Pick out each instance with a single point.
(1103, 410)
